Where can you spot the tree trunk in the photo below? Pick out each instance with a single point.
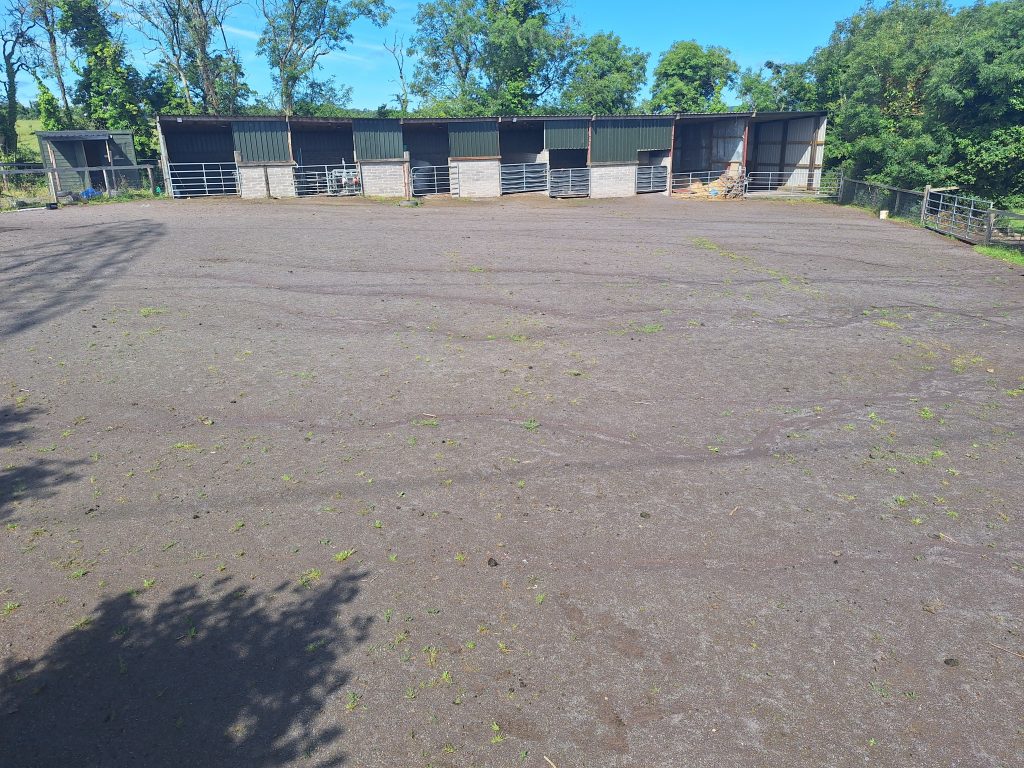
(287, 95)
(10, 131)
(58, 68)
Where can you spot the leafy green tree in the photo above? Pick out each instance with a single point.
(46, 14)
(692, 78)
(323, 98)
(51, 114)
(606, 77)
(490, 56)
(870, 78)
(777, 87)
(189, 38)
(974, 99)
(297, 34)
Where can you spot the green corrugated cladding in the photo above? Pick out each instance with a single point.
(617, 140)
(566, 134)
(378, 139)
(261, 141)
(476, 139)
(614, 141)
(655, 133)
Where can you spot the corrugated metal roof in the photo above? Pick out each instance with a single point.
(78, 135)
(476, 139)
(378, 139)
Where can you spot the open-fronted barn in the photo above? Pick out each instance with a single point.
(561, 156)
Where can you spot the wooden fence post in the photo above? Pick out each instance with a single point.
(990, 224)
(152, 186)
(924, 201)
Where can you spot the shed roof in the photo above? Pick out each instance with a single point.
(78, 135)
(197, 119)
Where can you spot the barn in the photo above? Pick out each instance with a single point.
(560, 156)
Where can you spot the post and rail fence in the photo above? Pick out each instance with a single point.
(28, 186)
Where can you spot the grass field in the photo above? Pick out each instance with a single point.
(611, 483)
(28, 145)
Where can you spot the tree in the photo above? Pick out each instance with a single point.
(690, 78)
(18, 51)
(110, 92)
(450, 36)
(323, 98)
(974, 96)
(871, 77)
(606, 77)
(490, 56)
(299, 33)
(46, 14)
(52, 116)
(184, 33)
(785, 87)
(399, 51)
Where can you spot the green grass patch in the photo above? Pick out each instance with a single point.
(1009, 255)
(28, 145)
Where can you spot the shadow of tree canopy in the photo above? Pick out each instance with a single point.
(238, 678)
(41, 280)
(37, 479)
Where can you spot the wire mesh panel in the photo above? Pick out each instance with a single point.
(966, 218)
(569, 182)
(337, 180)
(900, 203)
(1007, 228)
(203, 179)
(651, 178)
(524, 177)
(435, 180)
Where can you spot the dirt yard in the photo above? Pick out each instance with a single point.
(638, 483)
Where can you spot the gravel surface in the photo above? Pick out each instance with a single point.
(615, 483)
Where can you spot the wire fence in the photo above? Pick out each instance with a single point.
(966, 218)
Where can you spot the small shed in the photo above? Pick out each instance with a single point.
(85, 159)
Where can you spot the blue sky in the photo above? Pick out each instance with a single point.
(754, 30)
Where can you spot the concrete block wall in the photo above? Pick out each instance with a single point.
(252, 181)
(478, 178)
(282, 180)
(384, 179)
(613, 180)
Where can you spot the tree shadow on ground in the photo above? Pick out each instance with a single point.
(39, 478)
(232, 677)
(41, 280)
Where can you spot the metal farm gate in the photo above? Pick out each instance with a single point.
(202, 179)
(569, 182)
(336, 180)
(651, 178)
(524, 177)
(966, 218)
(435, 180)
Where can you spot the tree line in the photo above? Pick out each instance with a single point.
(916, 92)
